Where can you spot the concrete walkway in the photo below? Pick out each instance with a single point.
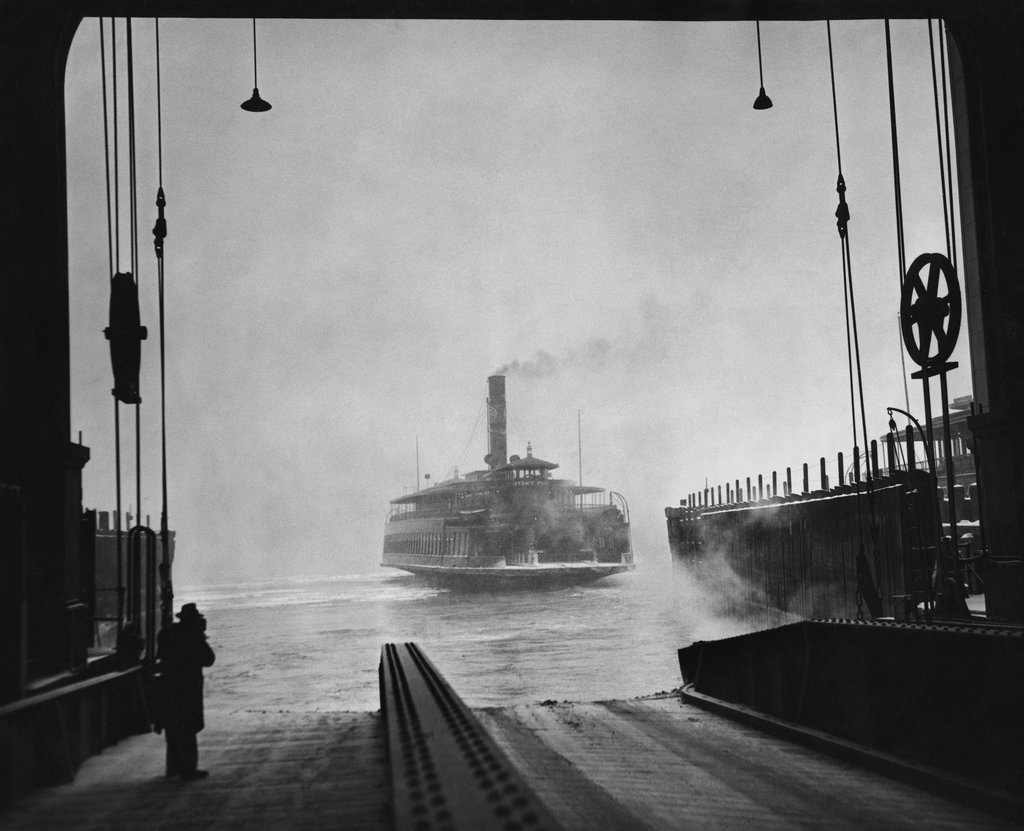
(654, 763)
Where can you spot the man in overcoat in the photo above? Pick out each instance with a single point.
(182, 652)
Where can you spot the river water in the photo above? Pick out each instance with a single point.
(314, 643)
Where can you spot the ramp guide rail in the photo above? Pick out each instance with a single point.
(447, 772)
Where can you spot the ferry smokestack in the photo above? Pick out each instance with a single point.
(497, 441)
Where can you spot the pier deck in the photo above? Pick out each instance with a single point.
(656, 763)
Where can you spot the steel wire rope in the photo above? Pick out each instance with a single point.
(472, 435)
(843, 217)
(106, 147)
(900, 226)
(938, 134)
(114, 234)
(901, 246)
(159, 235)
(134, 239)
(945, 178)
(117, 187)
(951, 221)
(897, 184)
(511, 420)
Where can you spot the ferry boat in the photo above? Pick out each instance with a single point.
(512, 524)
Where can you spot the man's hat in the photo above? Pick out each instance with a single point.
(188, 612)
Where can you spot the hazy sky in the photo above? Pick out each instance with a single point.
(595, 205)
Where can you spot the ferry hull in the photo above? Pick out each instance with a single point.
(511, 577)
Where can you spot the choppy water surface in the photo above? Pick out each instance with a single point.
(314, 644)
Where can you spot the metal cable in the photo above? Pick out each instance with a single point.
(134, 238)
(938, 133)
(951, 224)
(117, 189)
(106, 148)
(159, 234)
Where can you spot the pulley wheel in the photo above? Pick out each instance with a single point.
(930, 309)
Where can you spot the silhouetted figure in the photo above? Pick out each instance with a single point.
(182, 651)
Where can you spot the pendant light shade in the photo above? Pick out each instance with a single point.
(258, 105)
(255, 104)
(762, 102)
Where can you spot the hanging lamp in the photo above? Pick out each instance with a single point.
(762, 102)
(255, 104)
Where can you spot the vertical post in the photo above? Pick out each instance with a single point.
(890, 448)
(856, 464)
(719, 494)
(775, 483)
(842, 470)
(929, 430)
(824, 475)
(950, 479)
(873, 469)
(579, 440)
(750, 495)
(807, 479)
(789, 482)
(738, 492)
(911, 456)
(760, 487)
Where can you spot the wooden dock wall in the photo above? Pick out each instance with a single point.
(800, 554)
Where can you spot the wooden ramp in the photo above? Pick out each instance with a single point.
(660, 763)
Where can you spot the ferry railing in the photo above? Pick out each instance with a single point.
(620, 501)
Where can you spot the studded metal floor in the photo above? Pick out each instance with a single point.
(653, 763)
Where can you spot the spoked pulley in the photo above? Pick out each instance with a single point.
(930, 310)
